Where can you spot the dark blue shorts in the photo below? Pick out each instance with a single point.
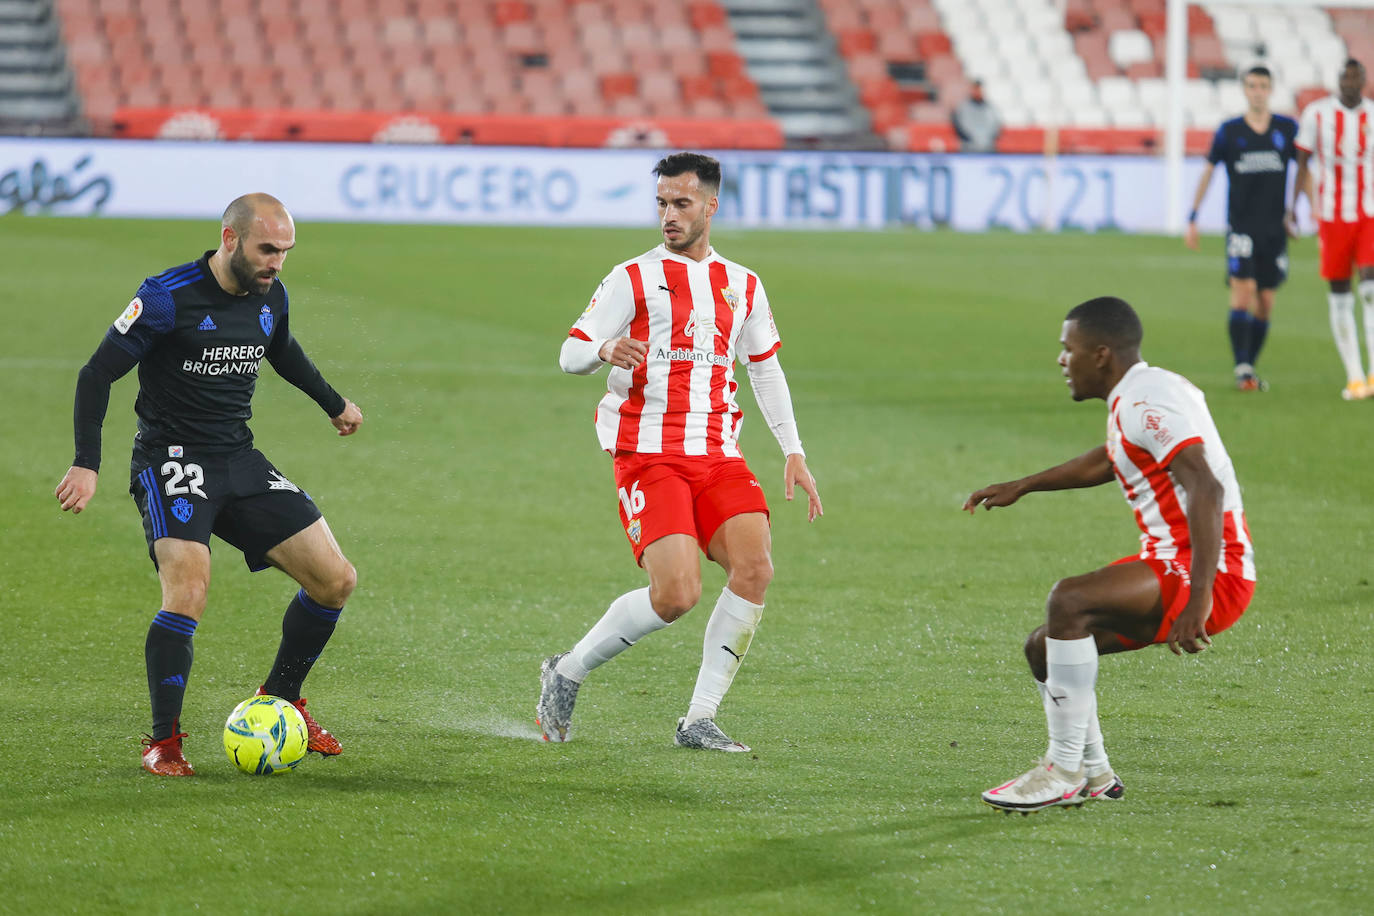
(239, 497)
(1261, 257)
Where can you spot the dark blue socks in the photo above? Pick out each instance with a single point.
(305, 629)
(1259, 329)
(167, 652)
(1247, 336)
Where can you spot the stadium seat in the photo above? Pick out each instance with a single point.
(550, 57)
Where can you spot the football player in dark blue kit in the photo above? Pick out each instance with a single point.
(198, 334)
(1256, 149)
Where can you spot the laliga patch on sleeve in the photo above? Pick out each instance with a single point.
(1155, 424)
(131, 314)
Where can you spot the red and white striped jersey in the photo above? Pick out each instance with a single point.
(698, 317)
(1155, 414)
(1341, 141)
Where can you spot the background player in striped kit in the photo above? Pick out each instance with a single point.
(198, 333)
(1194, 575)
(1256, 149)
(671, 324)
(1338, 133)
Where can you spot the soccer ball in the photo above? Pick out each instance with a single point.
(265, 735)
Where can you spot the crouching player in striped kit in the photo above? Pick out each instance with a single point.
(1195, 572)
(671, 323)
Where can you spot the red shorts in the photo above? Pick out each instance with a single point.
(673, 494)
(1343, 244)
(1231, 595)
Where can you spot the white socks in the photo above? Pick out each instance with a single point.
(1070, 699)
(728, 634)
(629, 618)
(1367, 300)
(1095, 761)
(1343, 329)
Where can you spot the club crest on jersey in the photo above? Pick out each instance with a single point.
(265, 319)
(635, 530)
(731, 297)
(278, 482)
(130, 315)
(182, 509)
(174, 451)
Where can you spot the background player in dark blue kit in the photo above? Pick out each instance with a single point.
(198, 333)
(1256, 149)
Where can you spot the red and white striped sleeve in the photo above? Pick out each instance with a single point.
(758, 338)
(607, 316)
(1160, 424)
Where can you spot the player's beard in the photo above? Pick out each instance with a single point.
(690, 235)
(245, 275)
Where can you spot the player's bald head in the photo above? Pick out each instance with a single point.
(1108, 321)
(243, 211)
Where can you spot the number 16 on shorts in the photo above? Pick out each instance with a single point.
(632, 500)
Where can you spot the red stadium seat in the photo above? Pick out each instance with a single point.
(855, 41)
(618, 85)
(933, 44)
(898, 45)
(704, 14)
(725, 64)
(557, 59)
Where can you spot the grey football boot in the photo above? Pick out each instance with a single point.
(705, 734)
(557, 694)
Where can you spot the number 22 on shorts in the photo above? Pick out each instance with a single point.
(632, 500)
(192, 474)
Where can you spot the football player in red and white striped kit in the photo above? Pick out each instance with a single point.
(1338, 133)
(671, 324)
(1194, 574)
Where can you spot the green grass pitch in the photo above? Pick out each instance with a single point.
(886, 688)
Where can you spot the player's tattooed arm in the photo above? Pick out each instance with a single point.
(1090, 469)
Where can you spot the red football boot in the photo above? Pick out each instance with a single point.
(320, 740)
(164, 758)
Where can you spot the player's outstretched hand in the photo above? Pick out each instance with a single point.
(1190, 236)
(795, 474)
(347, 423)
(624, 352)
(993, 497)
(76, 489)
(1189, 631)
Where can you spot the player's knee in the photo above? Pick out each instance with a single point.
(340, 585)
(1066, 603)
(186, 596)
(1035, 652)
(676, 597)
(751, 578)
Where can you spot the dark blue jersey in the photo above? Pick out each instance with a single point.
(1257, 168)
(198, 350)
